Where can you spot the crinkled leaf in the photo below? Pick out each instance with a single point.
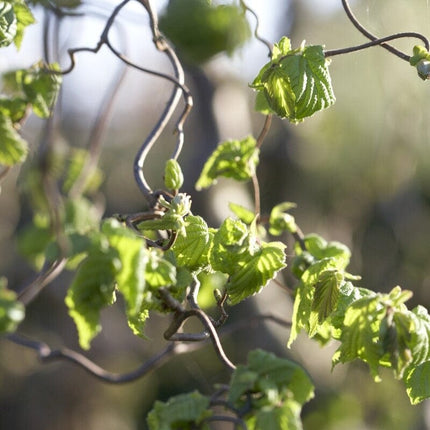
(92, 289)
(13, 149)
(201, 30)
(418, 383)
(24, 18)
(12, 312)
(229, 243)
(137, 322)
(296, 83)
(326, 294)
(81, 216)
(376, 329)
(251, 265)
(184, 411)
(191, 249)
(256, 271)
(236, 159)
(8, 23)
(173, 176)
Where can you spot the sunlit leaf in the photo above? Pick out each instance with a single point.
(236, 159)
(191, 249)
(281, 221)
(8, 23)
(296, 83)
(92, 289)
(24, 18)
(13, 149)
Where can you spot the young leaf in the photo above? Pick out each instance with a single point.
(285, 417)
(24, 18)
(173, 176)
(13, 149)
(296, 83)
(191, 249)
(184, 411)
(417, 383)
(245, 215)
(280, 221)
(92, 289)
(272, 380)
(173, 219)
(8, 24)
(255, 271)
(12, 312)
(133, 255)
(236, 159)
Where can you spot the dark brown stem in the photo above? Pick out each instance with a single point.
(263, 133)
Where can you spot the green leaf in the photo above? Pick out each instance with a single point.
(137, 322)
(255, 271)
(326, 295)
(201, 30)
(377, 329)
(133, 255)
(296, 83)
(173, 176)
(251, 265)
(92, 289)
(417, 383)
(81, 216)
(173, 219)
(229, 243)
(76, 160)
(285, 417)
(191, 249)
(13, 149)
(8, 23)
(184, 411)
(24, 18)
(280, 221)
(271, 379)
(12, 312)
(236, 159)
(421, 60)
(39, 86)
(14, 108)
(245, 215)
(159, 272)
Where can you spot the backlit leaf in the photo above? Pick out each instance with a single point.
(236, 159)
(12, 312)
(296, 83)
(13, 149)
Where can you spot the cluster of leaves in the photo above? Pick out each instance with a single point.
(268, 393)
(169, 248)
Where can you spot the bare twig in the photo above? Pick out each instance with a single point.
(257, 25)
(257, 201)
(372, 37)
(263, 133)
(223, 418)
(45, 278)
(47, 355)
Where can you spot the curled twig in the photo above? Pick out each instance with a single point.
(257, 26)
(46, 277)
(375, 39)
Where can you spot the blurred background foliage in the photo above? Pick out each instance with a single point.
(359, 172)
